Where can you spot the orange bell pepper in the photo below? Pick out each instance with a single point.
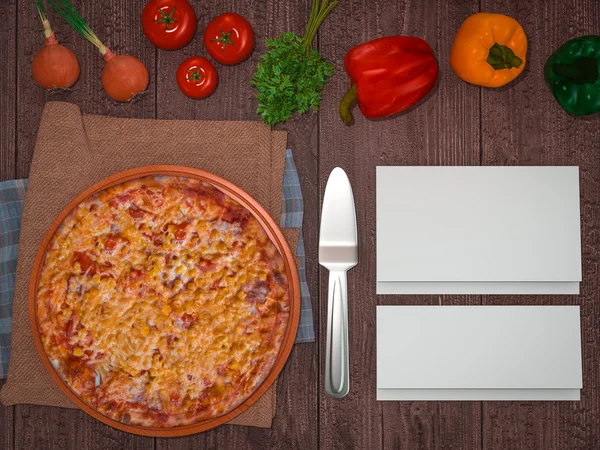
(489, 50)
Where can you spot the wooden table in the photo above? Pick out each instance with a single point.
(458, 124)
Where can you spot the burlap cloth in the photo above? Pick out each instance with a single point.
(74, 151)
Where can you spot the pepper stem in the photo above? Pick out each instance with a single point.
(347, 101)
(583, 70)
(501, 57)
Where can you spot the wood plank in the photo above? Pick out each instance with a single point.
(6, 425)
(8, 92)
(523, 125)
(444, 129)
(43, 427)
(117, 23)
(295, 424)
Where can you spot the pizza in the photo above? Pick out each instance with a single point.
(162, 302)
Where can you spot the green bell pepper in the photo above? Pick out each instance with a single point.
(572, 74)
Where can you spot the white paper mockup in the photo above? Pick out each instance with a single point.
(478, 230)
(478, 353)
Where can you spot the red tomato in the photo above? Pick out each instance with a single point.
(197, 77)
(169, 24)
(229, 38)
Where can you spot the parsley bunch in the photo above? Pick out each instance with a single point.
(291, 74)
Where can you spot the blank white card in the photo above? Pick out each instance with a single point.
(478, 353)
(478, 230)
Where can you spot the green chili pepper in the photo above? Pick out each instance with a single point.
(573, 75)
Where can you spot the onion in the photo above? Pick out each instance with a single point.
(124, 76)
(55, 66)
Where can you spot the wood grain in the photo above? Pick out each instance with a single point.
(522, 124)
(6, 425)
(442, 130)
(44, 427)
(8, 92)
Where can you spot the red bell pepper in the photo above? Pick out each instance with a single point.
(388, 75)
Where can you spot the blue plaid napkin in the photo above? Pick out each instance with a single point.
(291, 217)
(11, 202)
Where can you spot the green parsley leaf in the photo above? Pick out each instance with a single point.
(289, 78)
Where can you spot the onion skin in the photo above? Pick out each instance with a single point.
(55, 66)
(123, 77)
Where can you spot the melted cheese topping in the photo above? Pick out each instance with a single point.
(162, 302)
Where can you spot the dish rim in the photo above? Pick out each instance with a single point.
(275, 235)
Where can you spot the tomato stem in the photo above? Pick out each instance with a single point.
(167, 19)
(196, 76)
(224, 39)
